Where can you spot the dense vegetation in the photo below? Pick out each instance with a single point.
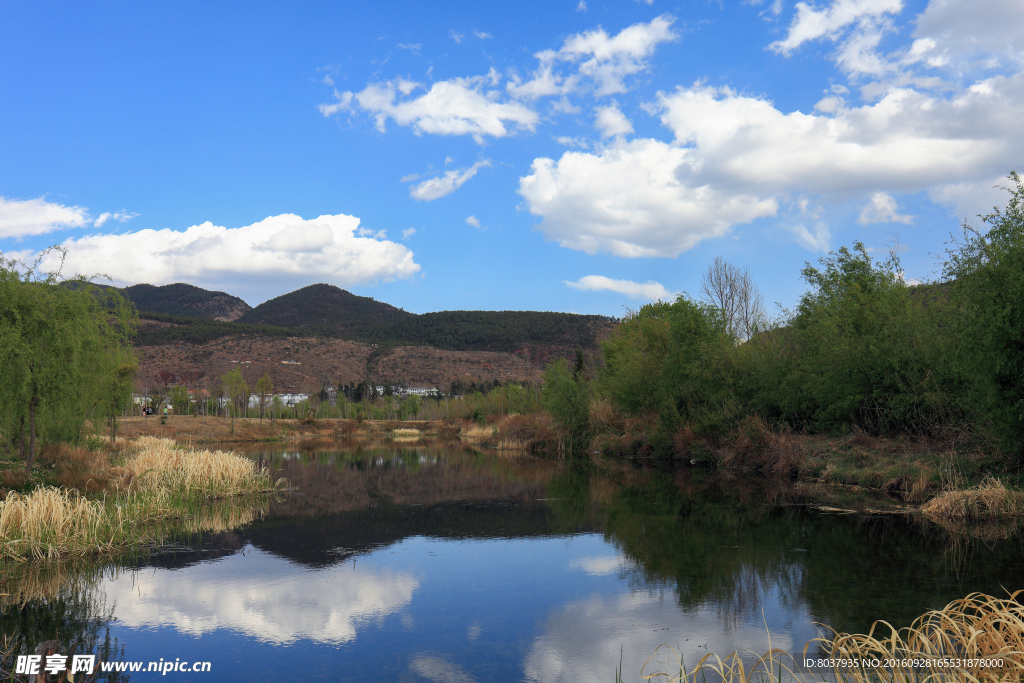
(64, 353)
(863, 350)
(201, 330)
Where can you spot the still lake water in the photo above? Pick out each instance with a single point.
(421, 563)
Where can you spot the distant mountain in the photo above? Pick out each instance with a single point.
(325, 309)
(187, 301)
(328, 311)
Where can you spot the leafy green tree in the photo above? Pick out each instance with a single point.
(236, 389)
(567, 398)
(180, 400)
(60, 342)
(867, 350)
(987, 273)
(672, 360)
(264, 389)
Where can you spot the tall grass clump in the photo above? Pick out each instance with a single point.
(987, 500)
(161, 464)
(160, 482)
(49, 523)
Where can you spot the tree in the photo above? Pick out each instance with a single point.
(60, 342)
(180, 400)
(264, 389)
(987, 274)
(567, 398)
(733, 291)
(237, 392)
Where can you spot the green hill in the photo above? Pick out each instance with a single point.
(186, 301)
(325, 309)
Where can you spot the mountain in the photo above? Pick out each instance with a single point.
(325, 309)
(187, 301)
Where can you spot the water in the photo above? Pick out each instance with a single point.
(407, 563)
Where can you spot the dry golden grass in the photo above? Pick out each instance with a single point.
(49, 523)
(161, 464)
(988, 499)
(977, 627)
(158, 482)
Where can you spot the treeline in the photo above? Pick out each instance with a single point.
(862, 350)
(201, 330)
(487, 330)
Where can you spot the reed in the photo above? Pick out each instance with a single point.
(977, 627)
(162, 464)
(159, 483)
(988, 499)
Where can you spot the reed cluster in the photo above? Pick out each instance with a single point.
(159, 482)
(49, 523)
(988, 499)
(162, 464)
(938, 647)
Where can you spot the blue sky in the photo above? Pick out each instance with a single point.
(577, 156)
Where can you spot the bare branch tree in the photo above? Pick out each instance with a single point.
(732, 290)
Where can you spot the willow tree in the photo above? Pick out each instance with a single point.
(61, 342)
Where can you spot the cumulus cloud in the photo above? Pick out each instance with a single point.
(882, 209)
(611, 122)
(26, 217)
(329, 248)
(649, 291)
(597, 57)
(735, 157)
(473, 221)
(584, 203)
(441, 186)
(408, 232)
(812, 22)
(966, 27)
(459, 106)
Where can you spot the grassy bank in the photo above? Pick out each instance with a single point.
(975, 630)
(123, 499)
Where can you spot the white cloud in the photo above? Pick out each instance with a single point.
(460, 106)
(598, 57)
(969, 27)
(582, 6)
(457, 37)
(328, 248)
(812, 22)
(882, 209)
(650, 291)
(584, 203)
(440, 186)
(482, 35)
(611, 121)
(473, 221)
(119, 216)
(408, 232)
(281, 603)
(26, 217)
(906, 141)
